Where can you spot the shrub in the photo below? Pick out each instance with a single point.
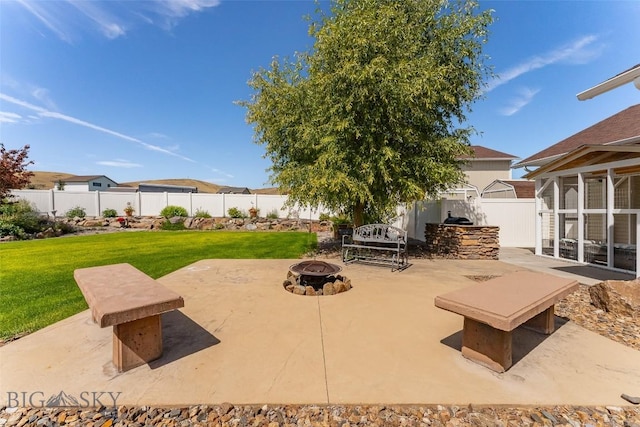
(171, 211)
(21, 220)
(109, 213)
(76, 212)
(169, 226)
(236, 213)
(218, 226)
(273, 214)
(324, 217)
(202, 213)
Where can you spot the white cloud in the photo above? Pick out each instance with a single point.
(221, 172)
(7, 117)
(68, 19)
(42, 95)
(43, 112)
(579, 51)
(525, 96)
(119, 163)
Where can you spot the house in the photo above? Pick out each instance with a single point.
(588, 193)
(509, 189)
(481, 169)
(234, 190)
(87, 183)
(144, 187)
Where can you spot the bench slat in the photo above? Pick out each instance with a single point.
(120, 293)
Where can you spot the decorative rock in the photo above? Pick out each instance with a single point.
(309, 291)
(617, 296)
(631, 399)
(327, 289)
(299, 290)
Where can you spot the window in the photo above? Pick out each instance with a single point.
(96, 184)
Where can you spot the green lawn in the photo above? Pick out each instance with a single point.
(36, 277)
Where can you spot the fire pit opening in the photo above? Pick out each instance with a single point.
(316, 278)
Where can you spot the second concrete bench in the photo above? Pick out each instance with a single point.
(122, 296)
(493, 309)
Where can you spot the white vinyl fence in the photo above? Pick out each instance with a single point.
(150, 204)
(515, 217)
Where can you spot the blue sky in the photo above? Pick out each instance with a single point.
(142, 90)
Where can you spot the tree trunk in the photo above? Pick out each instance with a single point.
(358, 214)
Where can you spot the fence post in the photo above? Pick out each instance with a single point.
(190, 203)
(139, 199)
(52, 201)
(97, 198)
(224, 202)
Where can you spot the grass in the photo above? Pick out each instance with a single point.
(36, 277)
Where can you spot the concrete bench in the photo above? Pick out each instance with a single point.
(376, 243)
(493, 309)
(122, 296)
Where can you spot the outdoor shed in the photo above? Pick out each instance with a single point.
(510, 189)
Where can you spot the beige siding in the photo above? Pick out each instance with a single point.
(483, 173)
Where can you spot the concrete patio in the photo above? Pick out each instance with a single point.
(242, 338)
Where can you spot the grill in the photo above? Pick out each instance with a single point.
(457, 220)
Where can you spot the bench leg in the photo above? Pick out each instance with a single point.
(136, 343)
(543, 322)
(486, 345)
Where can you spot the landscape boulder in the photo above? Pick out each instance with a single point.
(617, 296)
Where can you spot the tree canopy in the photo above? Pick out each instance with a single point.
(13, 173)
(371, 117)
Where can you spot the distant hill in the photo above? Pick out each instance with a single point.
(203, 186)
(47, 180)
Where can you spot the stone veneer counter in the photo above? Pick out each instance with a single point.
(462, 241)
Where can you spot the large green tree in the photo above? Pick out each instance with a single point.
(372, 116)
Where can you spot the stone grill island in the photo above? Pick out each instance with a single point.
(316, 278)
(462, 241)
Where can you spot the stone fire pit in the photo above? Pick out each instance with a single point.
(316, 278)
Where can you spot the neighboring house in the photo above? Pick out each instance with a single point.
(588, 191)
(165, 188)
(509, 189)
(481, 169)
(234, 190)
(87, 183)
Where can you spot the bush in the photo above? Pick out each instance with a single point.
(76, 212)
(109, 213)
(324, 217)
(236, 213)
(171, 211)
(21, 220)
(169, 226)
(273, 214)
(202, 214)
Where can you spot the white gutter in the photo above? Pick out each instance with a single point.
(632, 75)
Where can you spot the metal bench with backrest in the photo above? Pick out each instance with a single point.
(376, 243)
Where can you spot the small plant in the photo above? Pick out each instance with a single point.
(77, 212)
(129, 209)
(109, 213)
(218, 226)
(173, 226)
(202, 214)
(324, 217)
(171, 211)
(254, 212)
(236, 213)
(273, 214)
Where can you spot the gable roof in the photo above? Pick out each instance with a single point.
(522, 188)
(484, 153)
(85, 178)
(623, 127)
(234, 190)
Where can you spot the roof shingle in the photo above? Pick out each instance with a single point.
(620, 126)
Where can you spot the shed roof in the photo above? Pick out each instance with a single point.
(623, 127)
(524, 189)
